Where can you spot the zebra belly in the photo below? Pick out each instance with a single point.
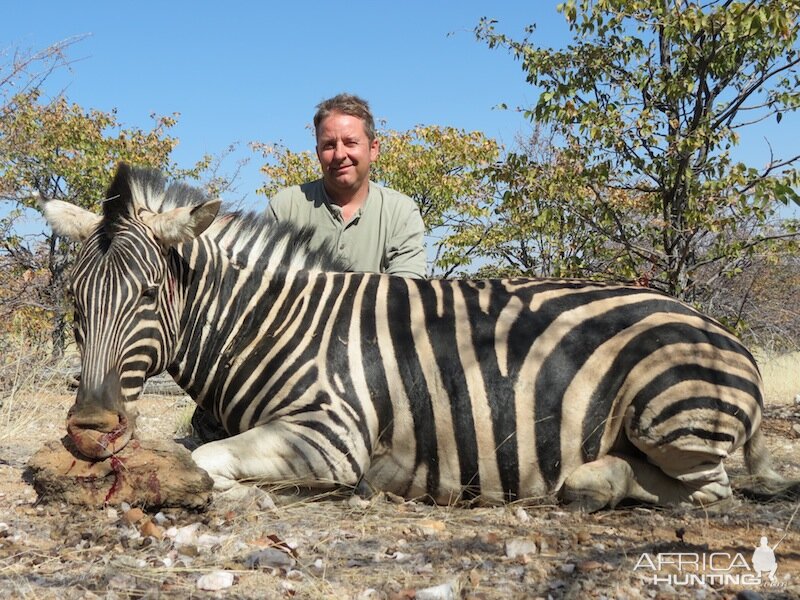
(396, 472)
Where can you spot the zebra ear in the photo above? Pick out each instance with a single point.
(68, 220)
(182, 224)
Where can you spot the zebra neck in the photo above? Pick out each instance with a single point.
(228, 313)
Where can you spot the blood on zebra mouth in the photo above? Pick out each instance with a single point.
(100, 434)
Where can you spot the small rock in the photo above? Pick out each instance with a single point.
(517, 572)
(522, 516)
(188, 551)
(589, 565)
(370, 594)
(295, 575)
(444, 591)
(519, 547)
(749, 595)
(357, 502)
(400, 556)
(394, 498)
(207, 540)
(266, 502)
(796, 429)
(150, 529)
(123, 560)
(215, 581)
(429, 528)
(568, 568)
(133, 515)
(270, 558)
(184, 535)
(583, 537)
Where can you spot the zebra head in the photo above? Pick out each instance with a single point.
(123, 289)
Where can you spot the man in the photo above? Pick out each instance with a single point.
(375, 229)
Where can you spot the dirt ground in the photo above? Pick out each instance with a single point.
(382, 548)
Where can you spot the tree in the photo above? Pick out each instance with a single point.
(443, 169)
(58, 150)
(649, 100)
(760, 301)
(532, 229)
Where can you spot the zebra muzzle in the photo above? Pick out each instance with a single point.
(99, 434)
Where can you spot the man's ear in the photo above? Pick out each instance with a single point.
(182, 224)
(374, 150)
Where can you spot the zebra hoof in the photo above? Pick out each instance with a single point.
(363, 490)
(584, 501)
(251, 495)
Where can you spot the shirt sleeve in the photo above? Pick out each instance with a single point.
(279, 205)
(406, 249)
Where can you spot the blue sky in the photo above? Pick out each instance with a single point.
(254, 71)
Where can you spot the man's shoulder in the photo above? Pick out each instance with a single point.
(297, 199)
(304, 191)
(393, 200)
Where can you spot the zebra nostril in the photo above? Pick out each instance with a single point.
(99, 433)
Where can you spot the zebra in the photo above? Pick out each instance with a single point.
(475, 391)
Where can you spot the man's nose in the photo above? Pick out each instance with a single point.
(339, 151)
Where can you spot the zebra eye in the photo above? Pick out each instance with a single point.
(150, 293)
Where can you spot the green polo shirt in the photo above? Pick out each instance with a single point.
(386, 235)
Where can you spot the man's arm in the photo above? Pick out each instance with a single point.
(406, 252)
(279, 206)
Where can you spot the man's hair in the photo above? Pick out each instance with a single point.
(346, 104)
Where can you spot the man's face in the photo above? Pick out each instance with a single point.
(344, 152)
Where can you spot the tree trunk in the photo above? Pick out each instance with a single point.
(58, 262)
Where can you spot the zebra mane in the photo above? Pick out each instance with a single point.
(134, 189)
(250, 239)
(257, 241)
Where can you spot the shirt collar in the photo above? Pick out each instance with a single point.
(336, 210)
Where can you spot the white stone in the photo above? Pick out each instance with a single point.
(444, 591)
(215, 581)
(519, 547)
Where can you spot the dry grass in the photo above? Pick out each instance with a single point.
(30, 389)
(781, 375)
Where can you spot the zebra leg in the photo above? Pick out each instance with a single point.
(275, 454)
(206, 427)
(612, 478)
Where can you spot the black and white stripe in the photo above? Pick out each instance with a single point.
(451, 389)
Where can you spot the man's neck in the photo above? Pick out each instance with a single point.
(348, 202)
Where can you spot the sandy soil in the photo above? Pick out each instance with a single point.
(382, 548)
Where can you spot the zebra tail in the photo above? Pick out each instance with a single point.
(764, 482)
